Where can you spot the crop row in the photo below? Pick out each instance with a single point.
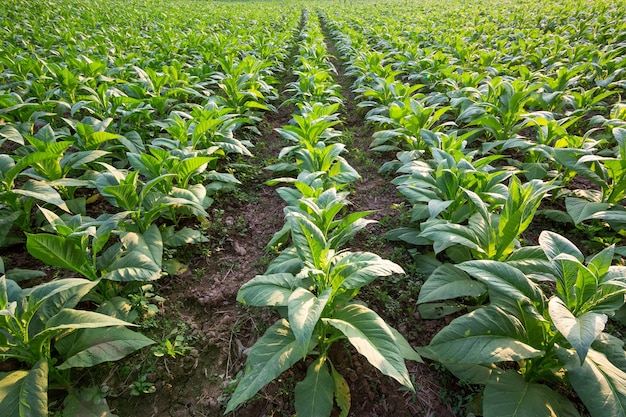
(314, 280)
(119, 121)
(489, 121)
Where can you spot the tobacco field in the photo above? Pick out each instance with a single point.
(326, 208)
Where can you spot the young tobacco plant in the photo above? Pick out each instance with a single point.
(39, 327)
(488, 235)
(317, 303)
(529, 340)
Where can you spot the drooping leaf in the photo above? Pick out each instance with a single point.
(342, 392)
(275, 352)
(613, 348)
(486, 335)
(86, 402)
(89, 347)
(120, 308)
(370, 335)
(41, 191)
(314, 394)
(582, 210)
(184, 236)
(25, 393)
(599, 384)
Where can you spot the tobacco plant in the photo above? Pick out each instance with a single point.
(39, 327)
(489, 235)
(531, 339)
(315, 296)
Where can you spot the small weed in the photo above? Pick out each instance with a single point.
(175, 344)
(141, 386)
(145, 302)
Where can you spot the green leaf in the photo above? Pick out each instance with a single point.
(61, 252)
(342, 392)
(486, 335)
(51, 297)
(78, 319)
(120, 308)
(314, 394)
(371, 336)
(601, 262)
(305, 310)
(142, 259)
(444, 235)
(268, 290)
(25, 393)
(447, 282)
(504, 279)
(580, 331)
(44, 192)
(19, 275)
(405, 348)
(27, 161)
(613, 348)
(357, 269)
(582, 210)
(190, 166)
(125, 195)
(472, 373)
(96, 138)
(6, 224)
(508, 395)
(307, 237)
(89, 347)
(599, 384)
(184, 236)
(554, 244)
(270, 356)
(86, 402)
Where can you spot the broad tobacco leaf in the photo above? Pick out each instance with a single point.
(89, 347)
(274, 353)
(25, 393)
(371, 336)
(142, 259)
(598, 382)
(580, 331)
(314, 394)
(508, 395)
(86, 402)
(305, 310)
(268, 290)
(486, 335)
